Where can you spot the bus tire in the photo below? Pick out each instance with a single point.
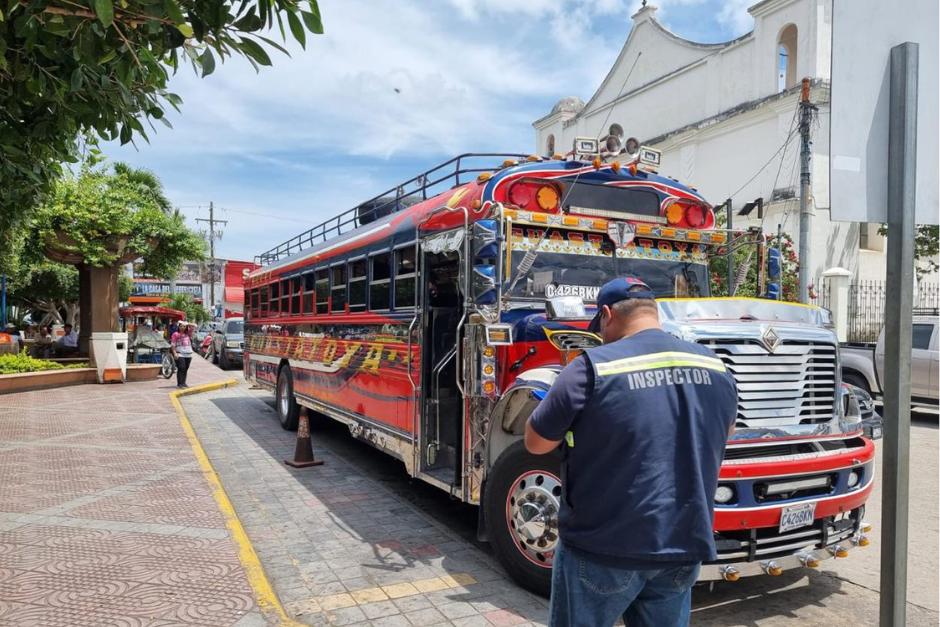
(285, 404)
(520, 477)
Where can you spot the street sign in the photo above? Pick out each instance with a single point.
(863, 33)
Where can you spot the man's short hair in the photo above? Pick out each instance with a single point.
(66, 326)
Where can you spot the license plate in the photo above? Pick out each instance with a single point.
(796, 516)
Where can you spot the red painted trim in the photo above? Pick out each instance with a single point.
(799, 466)
(731, 520)
(365, 317)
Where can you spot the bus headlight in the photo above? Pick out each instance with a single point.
(724, 494)
(854, 478)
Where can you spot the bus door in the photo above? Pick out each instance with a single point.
(442, 419)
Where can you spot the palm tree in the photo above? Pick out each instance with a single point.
(148, 183)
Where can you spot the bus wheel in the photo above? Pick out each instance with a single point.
(521, 501)
(287, 408)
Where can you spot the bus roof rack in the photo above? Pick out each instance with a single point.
(402, 196)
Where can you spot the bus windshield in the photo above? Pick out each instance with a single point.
(574, 274)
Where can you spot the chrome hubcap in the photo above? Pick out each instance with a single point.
(533, 505)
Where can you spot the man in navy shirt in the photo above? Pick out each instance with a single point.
(644, 418)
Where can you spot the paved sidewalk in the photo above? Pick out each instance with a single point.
(338, 546)
(105, 517)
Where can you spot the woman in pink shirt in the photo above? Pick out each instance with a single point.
(181, 345)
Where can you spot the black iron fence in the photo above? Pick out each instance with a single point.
(866, 305)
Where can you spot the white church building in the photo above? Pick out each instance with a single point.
(725, 117)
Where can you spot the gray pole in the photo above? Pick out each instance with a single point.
(780, 252)
(730, 254)
(212, 255)
(902, 166)
(806, 114)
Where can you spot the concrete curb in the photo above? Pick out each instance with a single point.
(267, 600)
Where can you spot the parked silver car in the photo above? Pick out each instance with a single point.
(228, 344)
(863, 364)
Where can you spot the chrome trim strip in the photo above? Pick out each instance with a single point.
(713, 572)
(852, 465)
(871, 480)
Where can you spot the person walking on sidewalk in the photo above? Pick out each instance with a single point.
(181, 343)
(645, 418)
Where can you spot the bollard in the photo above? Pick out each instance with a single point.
(303, 452)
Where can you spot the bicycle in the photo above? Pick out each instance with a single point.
(167, 364)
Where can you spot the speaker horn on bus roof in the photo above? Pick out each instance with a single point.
(632, 146)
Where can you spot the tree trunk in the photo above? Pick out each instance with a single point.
(97, 302)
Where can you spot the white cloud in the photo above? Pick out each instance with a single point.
(389, 80)
(734, 16)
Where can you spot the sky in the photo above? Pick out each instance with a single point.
(390, 89)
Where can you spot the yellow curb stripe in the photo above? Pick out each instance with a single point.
(264, 594)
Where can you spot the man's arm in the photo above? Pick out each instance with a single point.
(536, 444)
(554, 416)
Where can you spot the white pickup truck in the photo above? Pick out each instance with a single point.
(863, 364)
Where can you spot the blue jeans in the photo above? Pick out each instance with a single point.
(586, 593)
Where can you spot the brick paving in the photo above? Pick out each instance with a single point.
(338, 546)
(105, 516)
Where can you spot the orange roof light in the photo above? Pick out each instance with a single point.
(547, 197)
(674, 213)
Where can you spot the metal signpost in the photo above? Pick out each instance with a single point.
(902, 168)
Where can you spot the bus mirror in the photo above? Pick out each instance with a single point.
(484, 284)
(485, 240)
(565, 307)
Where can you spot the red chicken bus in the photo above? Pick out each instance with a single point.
(432, 319)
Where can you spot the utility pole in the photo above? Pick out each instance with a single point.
(807, 109)
(212, 237)
(730, 256)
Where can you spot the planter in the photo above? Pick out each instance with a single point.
(26, 381)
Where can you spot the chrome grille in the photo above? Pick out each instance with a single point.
(795, 384)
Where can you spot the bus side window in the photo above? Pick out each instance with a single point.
(308, 293)
(322, 290)
(381, 282)
(338, 291)
(357, 285)
(298, 285)
(275, 298)
(405, 278)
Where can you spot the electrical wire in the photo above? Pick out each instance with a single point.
(528, 260)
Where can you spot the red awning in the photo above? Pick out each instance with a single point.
(235, 295)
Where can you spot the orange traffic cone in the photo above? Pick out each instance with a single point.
(303, 452)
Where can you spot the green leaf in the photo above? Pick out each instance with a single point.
(173, 12)
(105, 11)
(208, 62)
(76, 82)
(185, 29)
(314, 25)
(254, 51)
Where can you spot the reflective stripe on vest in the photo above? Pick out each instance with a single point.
(668, 359)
